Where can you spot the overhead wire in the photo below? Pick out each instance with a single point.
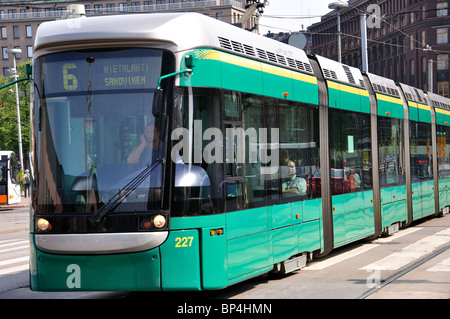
(420, 45)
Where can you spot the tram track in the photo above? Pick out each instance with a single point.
(403, 272)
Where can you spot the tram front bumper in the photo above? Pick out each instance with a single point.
(138, 271)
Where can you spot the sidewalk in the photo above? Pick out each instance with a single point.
(14, 220)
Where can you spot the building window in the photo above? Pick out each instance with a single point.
(29, 51)
(441, 9)
(61, 11)
(12, 14)
(110, 7)
(424, 73)
(443, 89)
(411, 42)
(4, 33)
(442, 75)
(98, 8)
(29, 31)
(442, 35)
(442, 62)
(18, 55)
(49, 12)
(36, 12)
(16, 32)
(123, 7)
(24, 13)
(423, 36)
(4, 54)
(135, 6)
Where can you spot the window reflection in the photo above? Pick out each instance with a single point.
(443, 148)
(350, 151)
(390, 152)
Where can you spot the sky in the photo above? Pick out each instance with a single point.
(289, 13)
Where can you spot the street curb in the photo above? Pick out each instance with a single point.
(12, 207)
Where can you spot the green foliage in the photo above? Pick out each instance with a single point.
(8, 113)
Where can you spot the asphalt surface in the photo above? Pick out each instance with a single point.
(13, 218)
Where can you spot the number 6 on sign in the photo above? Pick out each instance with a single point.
(69, 80)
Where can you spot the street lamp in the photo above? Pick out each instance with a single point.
(337, 6)
(16, 76)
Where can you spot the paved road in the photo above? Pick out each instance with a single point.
(347, 273)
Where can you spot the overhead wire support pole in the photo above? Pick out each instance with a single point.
(28, 73)
(338, 6)
(365, 60)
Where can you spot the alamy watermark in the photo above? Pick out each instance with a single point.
(374, 279)
(241, 146)
(374, 18)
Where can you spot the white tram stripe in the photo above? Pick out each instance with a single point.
(8, 241)
(14, 248)
(14, 261)
(442, 266)
(19, 242)
(319, 265)
(396, 236)
(14, 269)
(411, 252)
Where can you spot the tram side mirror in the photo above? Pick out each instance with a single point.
(157, 102)
(28, 70)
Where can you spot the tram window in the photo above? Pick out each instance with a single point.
(272, 181)
(297, 149)
(232, 105)
(197, 118)
(252, 121)
(14, 173)
(443, 147)
(350, 151)
(421, 150)
(3, 172)
(242, 181)
(233, 196)
(390, 151)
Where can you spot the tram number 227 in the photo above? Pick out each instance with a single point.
(183, 241)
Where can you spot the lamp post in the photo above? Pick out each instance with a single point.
(16, 76)
(338, 6)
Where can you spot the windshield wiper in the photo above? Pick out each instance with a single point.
(123, 193)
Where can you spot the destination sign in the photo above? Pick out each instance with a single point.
(126, 74)
(98, 71)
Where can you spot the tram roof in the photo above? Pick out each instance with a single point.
(176, 31)
(383, 85)
(413, 94)
(439, 101)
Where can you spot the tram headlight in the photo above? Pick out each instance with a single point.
(43, 224)
(159, 221)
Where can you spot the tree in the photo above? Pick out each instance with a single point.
(8, 113)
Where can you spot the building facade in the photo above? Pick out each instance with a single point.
(20, 19)
(408, 44)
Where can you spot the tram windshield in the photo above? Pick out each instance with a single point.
(95, 135)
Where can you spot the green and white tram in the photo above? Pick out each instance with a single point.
(10, 192)
(177, 152)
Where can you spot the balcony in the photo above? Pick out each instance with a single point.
(53, 13)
